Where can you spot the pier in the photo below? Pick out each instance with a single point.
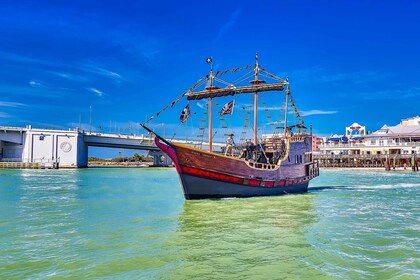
(390, 161)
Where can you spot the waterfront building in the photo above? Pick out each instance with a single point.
(411, 121)
(316, 142)
(403, 139)
(355, 132)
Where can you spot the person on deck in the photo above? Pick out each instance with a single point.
(230, 144)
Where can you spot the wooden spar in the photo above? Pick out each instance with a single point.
(210, 125)
(221, 92)
(286, 111)
(255, 117)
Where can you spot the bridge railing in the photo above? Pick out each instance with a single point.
(27, 160)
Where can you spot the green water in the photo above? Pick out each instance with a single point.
(135, 224)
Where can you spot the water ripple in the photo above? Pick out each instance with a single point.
(134, 223)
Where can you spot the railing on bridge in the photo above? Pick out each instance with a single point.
(28, 163)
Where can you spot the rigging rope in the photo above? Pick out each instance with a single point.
(202, 127)
(262, 70)
(223, 72)
(197, 84)
(247, 120)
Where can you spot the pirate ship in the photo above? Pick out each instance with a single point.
(277, 163)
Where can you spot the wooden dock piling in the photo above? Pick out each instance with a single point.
(369, 161)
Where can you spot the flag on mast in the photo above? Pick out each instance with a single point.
(228, 108)
(185, 114)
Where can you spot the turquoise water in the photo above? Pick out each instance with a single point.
(135, 224)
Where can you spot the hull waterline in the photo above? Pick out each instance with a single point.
(200, 188)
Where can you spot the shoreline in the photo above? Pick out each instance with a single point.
(120, 164)
(398, 169)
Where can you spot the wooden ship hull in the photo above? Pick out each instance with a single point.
(210, 175)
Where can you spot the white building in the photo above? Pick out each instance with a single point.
(49, 147)
(355, 131)
(403, 138)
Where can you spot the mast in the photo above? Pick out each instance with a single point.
(256, 82)
(286, 110)
(255, 117)
(210, 87)
(210, 124)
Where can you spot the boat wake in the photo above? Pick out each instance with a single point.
(323, 188)
(388, 186)
(366, 187)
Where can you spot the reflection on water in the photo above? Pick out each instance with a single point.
(244, 238)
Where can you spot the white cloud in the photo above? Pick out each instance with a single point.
(73, 77)
(88, 67)
(96, 91)
(316, 112)
(228, 25)
(94, 69)
(17, 58)
(4, 115)
(34, 83)
(11, 104)
(277, 122)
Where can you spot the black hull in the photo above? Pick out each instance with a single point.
(202, 188)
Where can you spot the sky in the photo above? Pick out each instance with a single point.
(347, 61)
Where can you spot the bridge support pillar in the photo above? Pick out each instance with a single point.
(160, 159)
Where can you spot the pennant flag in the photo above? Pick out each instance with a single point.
(185, 114)
(209, 59)
(228, 108)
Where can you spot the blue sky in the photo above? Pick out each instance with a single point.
(347, 61)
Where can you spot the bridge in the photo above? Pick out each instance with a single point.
(69, 148)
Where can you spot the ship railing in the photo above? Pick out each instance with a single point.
(297, 138)
(260, 165)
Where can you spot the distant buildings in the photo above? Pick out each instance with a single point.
(317, 142)
(403, 139)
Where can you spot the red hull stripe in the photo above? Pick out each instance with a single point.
(212, 175)
(237, 180)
